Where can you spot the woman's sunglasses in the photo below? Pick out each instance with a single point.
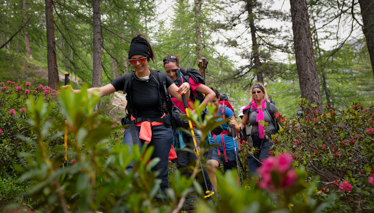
(141, 60)
(258, 91)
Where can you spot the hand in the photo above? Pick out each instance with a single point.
(232, 121)
(184, 88)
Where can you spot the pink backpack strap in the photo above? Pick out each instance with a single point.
(224, 148)
(215, 141)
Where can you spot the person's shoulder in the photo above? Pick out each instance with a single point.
(272, 107)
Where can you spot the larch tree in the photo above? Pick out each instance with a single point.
(305, 61)
(96, 73)
(53, 78)
(27, 40)
(367, 11)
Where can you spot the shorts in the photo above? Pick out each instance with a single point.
(231, 159)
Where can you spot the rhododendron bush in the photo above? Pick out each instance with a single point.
(14, 120)
(336, 145)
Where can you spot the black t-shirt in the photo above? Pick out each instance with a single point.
(145, 94)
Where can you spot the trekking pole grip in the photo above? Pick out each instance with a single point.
(66, 78)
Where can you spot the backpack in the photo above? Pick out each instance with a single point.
(273, 120)
(224, 100)
(197, 77)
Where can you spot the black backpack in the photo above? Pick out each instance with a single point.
(267, 110)
(197, 77)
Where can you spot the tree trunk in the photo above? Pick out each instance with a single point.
(53, 78)
(27, 40)
(256, 55)
(367, 11)
(199, 46)
(96, 74)
(305, 61)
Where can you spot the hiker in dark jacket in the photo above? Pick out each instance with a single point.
(256, 113)
(145, 110)
(186, 159)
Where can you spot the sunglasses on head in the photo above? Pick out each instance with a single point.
(141, 60)
(258, 91)
(169, 58)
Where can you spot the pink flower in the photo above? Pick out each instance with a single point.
(316, 151)
(323, 146)
(345, 186)
(27, 91)
(8, 82)
(290, 178)
(336, 182)
(1, 131)
(370, 131)
(73, 161)
(370, 179)
(12, 112)
(351, 141)
(28, 84)
(117, 138)
(281, 165)
(4, 88)
(284, 162)
(22, 110)
(277, 115)
(113, 126)
(122, 130)
(324, 190)
(356, 136)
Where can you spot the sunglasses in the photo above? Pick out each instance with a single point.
(141, 60)
(169, 58)
(258, 91)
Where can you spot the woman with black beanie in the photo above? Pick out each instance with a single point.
(145, 113)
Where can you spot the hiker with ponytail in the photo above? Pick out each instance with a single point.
(259, 111)
(149, 124)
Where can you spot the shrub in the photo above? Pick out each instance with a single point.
(338, 146)
(14, 120)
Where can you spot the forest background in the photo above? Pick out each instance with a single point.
(244, 41)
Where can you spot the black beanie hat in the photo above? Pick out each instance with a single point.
(139, 46)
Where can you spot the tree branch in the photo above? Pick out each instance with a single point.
(20, 28)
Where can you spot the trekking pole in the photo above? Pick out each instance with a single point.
(66, 129)
(236, 153)
(208, 192)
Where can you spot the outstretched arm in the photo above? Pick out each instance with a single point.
(103, 91)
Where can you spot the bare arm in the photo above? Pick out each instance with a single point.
(176, 92)
(209, 94)
(103, 91)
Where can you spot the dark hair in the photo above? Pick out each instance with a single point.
(216, 92)
(151, 54)
(169, 58)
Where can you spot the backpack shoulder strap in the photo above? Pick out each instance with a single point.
(128, 80)
(223, 108)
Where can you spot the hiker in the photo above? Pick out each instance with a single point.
(186, 158)
(145, 114)
(259, 109)
(225, 152)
